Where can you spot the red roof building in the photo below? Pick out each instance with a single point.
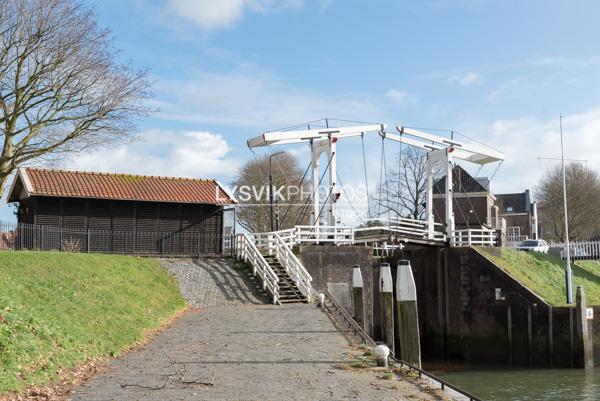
(82, 184)
(145, 214)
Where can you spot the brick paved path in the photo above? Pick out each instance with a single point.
(209, 282)
(244, 352)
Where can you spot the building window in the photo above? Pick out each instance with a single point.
(514, 233)
(509, 208)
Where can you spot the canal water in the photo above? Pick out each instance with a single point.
(529, 385)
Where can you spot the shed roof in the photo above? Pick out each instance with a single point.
(31, 181)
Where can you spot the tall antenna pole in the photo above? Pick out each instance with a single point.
(568, 272)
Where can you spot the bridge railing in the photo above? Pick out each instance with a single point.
(293, 266)
(305, 235)
(405, 226)
(325, 234)
(247, 251)
(482, 237)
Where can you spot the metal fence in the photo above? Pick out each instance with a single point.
(19, 236)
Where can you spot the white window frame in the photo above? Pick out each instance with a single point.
(513, 232)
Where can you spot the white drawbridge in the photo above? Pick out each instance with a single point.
(440, 150)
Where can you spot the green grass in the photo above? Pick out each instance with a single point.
(58, 310)
(545, 274)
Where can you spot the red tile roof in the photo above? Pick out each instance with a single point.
(82, 184)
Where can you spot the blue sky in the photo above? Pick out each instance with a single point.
(226, 70)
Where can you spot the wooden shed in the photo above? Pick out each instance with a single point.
(119, 213)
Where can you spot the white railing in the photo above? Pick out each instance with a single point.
(305, 235)
(383, 249)
(484, 237)
(294, 268)
(249, 253)
(516, 238)
(325, 234)
(409, 227)
(266, 241)
(578, 250)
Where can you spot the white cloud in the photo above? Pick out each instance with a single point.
(510, 89)
(218, 14)
(524, 140)
(466, 79)
(180, 154)
(258, 100)
(400, 96)
(561, 61)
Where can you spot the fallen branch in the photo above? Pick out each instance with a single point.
(181, 379)
(196, 381)
(146, 387)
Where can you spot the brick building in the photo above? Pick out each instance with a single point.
(513, 215)
(473, 203)
(520, 214)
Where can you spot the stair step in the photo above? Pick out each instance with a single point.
(292, 301)
(290, 292)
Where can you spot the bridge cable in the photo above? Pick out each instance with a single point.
(460, 189)
(324, 203)
(315, 190)
(294, 197)
(310, 197)
(348, 198)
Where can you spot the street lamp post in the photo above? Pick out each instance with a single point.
(568, 272)
(271, 187)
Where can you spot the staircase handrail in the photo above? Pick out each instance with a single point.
(293, 266)
(249, 253)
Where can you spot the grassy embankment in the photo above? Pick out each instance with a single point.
(58, 310)
(545, 274)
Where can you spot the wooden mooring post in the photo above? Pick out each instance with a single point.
(584, 346)
(386, 301)
(357, 296)
(407, 316)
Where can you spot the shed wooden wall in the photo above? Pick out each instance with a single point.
(100, 214)
(182, 226)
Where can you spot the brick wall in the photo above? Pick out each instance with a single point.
(331, 268)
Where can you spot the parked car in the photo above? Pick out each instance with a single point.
(534, 245)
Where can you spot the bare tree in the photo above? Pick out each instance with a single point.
(583, 198)
(61, 89)
(291, 194)
(402, 191)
